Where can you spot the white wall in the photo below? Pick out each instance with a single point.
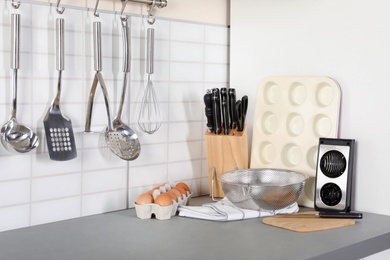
(189, 58)
(346, 40)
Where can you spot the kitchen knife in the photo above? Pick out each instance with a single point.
(244, 107)
(232, 108)
(216, 104)
(238, 109)
(209, 110)
(351, 215)
(225, 111)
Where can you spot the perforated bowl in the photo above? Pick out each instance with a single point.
(267, 189)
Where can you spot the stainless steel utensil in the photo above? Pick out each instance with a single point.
(17, 137)
(116, 139)
(58, 127)
(267, 189)
(149, 118)
(131, 148)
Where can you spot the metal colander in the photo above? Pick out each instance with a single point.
(267, 189)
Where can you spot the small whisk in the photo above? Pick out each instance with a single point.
(149, 118)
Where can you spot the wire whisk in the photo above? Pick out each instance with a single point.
(149, 118)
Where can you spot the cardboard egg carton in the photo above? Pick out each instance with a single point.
(146, 211)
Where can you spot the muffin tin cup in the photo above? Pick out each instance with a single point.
(291, 114)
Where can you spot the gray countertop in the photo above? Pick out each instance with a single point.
(121, 235)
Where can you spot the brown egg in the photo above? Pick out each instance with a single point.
(172, 195)
(163, 200)
(184, 186)
(151, 191)
(181, 190)
(144, 198)
(176, 193)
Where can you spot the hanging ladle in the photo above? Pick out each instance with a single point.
(131, 147)
(17, 137)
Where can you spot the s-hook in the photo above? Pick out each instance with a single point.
(95, 13)
(124, 18)
(15, 6)
(60, 11)
(150, 10)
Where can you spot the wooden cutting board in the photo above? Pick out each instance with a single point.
(307, 224)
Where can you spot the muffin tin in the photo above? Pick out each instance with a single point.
(147, 211)
(291, 114)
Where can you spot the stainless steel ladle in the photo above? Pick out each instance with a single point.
(131, 148)
(14, 136)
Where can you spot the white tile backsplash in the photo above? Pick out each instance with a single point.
(189, 58)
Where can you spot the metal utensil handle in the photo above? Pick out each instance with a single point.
(150, 51)
(60, 43)
(97, 45)
(126, 46)
(15, 25)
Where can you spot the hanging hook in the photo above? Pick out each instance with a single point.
(95, 13)
(150, 10)
(15, 6)
(124, 18)
(60, 11)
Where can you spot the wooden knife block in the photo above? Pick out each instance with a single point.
(225, 153)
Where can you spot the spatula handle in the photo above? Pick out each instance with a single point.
(60, 43)
(15, 25)
(97, 45)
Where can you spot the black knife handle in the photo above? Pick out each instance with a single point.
(353, 215)
(232, 107)
(216, 101)
(209, 111)
(244, 107)
(240, 126)
(225, 111)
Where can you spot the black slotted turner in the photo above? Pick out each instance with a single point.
(58, 127)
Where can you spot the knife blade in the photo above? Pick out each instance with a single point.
(350, 215)
(232, 108)
(216, 104)
(225, 111)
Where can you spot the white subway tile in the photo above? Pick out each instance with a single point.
(14, 192)
(103, 202)
(184, 151)
(14, 217)
(98, 181)
(216, 73)
(152, 175)
(102, 158)
(56, 187)
(151, 154)
(184, 51)
(43, 166)
(186, 92)
(161, 50)
(18, 170)
(187, 72)
(187, 32)
(216, 54)
(216, 35)
(55, 210)
(187, 111)
(182, 171)
(181, 132)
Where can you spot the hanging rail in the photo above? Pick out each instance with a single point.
(158, 3)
